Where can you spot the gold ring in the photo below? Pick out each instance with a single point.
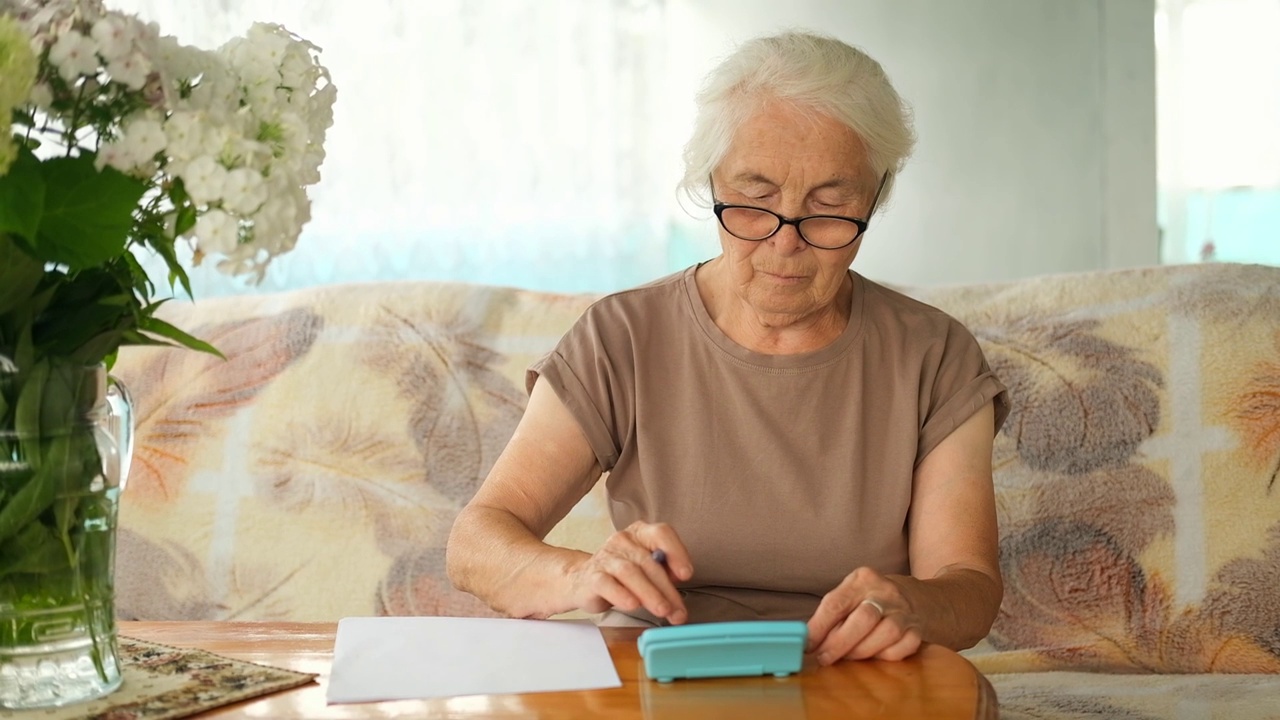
(879, 608)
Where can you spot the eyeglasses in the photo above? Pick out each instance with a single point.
(828, 232)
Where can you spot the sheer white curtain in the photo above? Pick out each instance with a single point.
(1219, 129)
(503, 141)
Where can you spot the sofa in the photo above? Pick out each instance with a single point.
(313, 473)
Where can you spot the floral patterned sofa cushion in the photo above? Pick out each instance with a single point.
(1136, 476)
(315, 473)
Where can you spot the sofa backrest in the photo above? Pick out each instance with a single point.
(314, 474)
(1136, 476)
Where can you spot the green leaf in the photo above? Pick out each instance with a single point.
(44, 294)
(22, 196)
(20, 273)
(85, 306)
(97, 348)
(30, 500)
(60, 404)
(81, 463)
(176, 272)
(34, 549)
(15, 476)
(27, 414)
(68, 334)
(87, 214)
(159, 327)
(186, 220)
(24, 353)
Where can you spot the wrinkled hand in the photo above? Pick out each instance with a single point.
(623, 574)
(865, 616)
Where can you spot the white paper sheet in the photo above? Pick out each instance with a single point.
(403, 658)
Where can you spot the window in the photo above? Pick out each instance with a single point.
(1218, 86)
(500, 141)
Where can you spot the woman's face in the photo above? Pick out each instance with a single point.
(795, 164)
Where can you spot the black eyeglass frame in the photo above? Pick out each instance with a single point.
(860, 223)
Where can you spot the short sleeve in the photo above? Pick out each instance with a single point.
(594, 378)
(962, 383)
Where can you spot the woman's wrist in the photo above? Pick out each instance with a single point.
(545, 585)
(955, 608)
(540, 583)
(496, 558)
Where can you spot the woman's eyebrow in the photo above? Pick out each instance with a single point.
(839, 183)
(752, 177)
(836, 183)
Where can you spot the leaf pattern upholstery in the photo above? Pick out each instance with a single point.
(315, 473)
(1085, 402)
(1138, 523)
(256, 349)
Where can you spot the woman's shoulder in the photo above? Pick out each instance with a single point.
(897, 298)
(635, 315)
(643, 300)
(885, 304)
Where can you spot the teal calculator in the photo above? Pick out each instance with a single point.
(723, 649)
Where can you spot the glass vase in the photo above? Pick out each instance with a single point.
(65, 443)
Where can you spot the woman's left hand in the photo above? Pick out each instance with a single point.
(865, 616)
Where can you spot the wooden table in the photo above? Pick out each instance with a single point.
(936, 683)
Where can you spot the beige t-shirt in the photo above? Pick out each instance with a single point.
(781, 473)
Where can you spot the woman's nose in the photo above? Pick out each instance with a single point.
(787, 240)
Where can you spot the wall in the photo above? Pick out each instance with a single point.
(1036, 121)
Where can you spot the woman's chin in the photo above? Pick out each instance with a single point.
(787, 301)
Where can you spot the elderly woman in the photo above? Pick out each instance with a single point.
(798, 441)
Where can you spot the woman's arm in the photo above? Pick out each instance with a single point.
(953, 540)
(495, 549)
(953, 593)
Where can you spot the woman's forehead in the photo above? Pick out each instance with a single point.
(781, 142)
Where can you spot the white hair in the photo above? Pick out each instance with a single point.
(812, 72)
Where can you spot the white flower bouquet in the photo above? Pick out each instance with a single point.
(123, 142)
(219, 145)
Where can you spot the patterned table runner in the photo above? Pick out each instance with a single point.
(163, 683)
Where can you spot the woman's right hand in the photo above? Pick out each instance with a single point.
(623, 574)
